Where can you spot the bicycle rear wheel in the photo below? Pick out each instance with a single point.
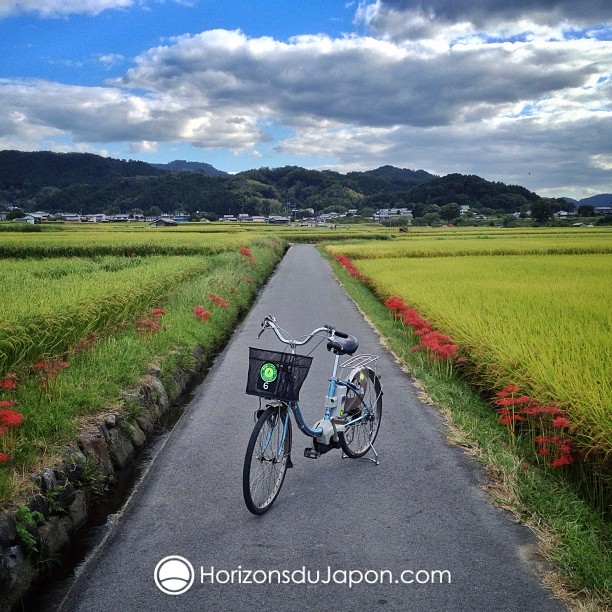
(267, 459)
(357, 439)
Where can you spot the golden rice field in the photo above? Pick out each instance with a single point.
(491, 242)
(90, 240)
(538, 318)
(50, 304)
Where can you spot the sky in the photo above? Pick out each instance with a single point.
(517, 91)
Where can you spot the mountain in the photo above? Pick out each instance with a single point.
(401, 174)
(89, 183)
(180, 165)
(33, 171)
(602, 199)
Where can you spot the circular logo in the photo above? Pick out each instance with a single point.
(268, 372)
(174, 575)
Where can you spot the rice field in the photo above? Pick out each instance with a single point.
(530, 310)
(82, 325)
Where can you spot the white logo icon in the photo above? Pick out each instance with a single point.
(174, 575)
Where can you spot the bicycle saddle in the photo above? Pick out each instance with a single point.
(343, 346)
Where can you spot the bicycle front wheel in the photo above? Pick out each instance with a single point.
(267, 458)
(357, 439)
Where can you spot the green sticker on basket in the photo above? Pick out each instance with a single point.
(268, 372)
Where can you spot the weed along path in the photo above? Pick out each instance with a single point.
(413, 533)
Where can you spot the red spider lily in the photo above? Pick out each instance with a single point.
(4, 457)
(201, 314)
(508, 390)
(49, 368)
(84, 343)
(510, 418)
(248, 279)
(562, 460)
(348, 265)
(394, 303)
(219, 301)
(9, 381)
(247, 253)
(146, 325)
(158, 312)
(10, 418)
(544, 452)
(560, 422)
(7, 403)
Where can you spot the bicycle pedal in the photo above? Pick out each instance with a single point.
(311, 453)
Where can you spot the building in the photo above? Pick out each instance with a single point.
(164, 222)
(28, 219)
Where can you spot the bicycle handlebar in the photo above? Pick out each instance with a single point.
(270, 322)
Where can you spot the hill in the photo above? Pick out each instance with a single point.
(31, 171)
(180, 165)
(603, 199)
(89, 183)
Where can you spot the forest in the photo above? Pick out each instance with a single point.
(87, 183)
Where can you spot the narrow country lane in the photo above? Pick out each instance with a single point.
(422, 509)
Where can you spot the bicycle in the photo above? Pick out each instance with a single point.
(353, 410)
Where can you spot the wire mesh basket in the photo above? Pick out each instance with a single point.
(276, 375)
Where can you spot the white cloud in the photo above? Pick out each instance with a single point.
(58, 8)
(61, 8)
(532, 110)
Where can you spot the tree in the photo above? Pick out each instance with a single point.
(16, 213)
(542, 210)
(154, 211)
(586, 210)
(448, 212)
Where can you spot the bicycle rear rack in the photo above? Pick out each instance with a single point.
(358, 361)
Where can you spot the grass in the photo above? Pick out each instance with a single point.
(540, 322)
(574, 536)
(99, 376)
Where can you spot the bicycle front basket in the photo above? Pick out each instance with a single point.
(275, 375)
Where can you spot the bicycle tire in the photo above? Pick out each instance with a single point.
(357, 439)
(263, 473)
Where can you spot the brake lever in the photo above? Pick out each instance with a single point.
(263, 329)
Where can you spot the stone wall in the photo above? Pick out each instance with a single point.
(35, 534)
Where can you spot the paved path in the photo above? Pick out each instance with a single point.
(422, 508)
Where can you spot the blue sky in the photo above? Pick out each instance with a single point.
(512, 90)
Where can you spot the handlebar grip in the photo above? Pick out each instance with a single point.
(340, 334)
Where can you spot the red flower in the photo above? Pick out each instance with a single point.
(4, 457)
(247, 253)
(8, 382)
(201, 314)
(146, 325)
(560, 422)
(248, 279)
(158, 312)
(394, 302)
(347, 264)
(562, 460)
(7, 403)
(219, 301)
(10, 418)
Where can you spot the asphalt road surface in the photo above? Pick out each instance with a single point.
(416, 529)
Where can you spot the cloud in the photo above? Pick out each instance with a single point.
(533, 110)
(485, 13)
(363, 80)
(40, 109)
(435, 20)
(62, 8)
